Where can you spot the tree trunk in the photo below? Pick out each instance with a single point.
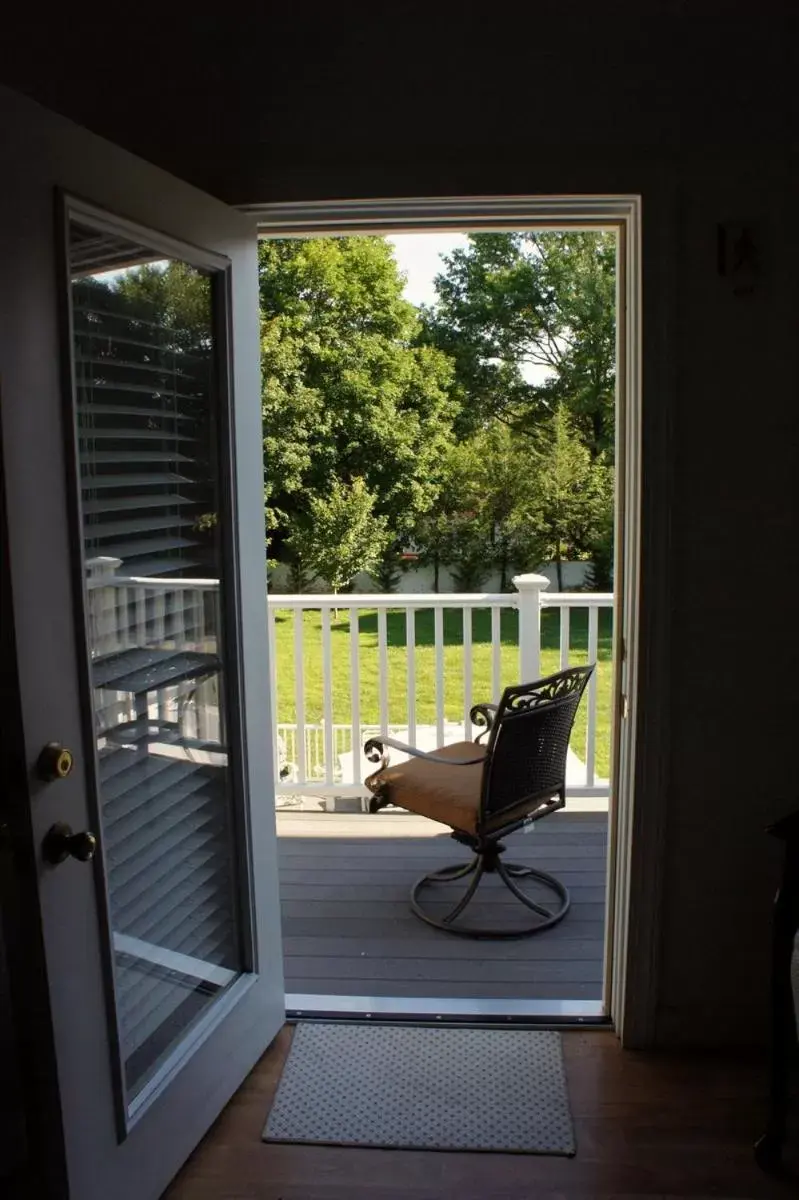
(559, 566)
(436, 565)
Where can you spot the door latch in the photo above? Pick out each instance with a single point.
(60, 843)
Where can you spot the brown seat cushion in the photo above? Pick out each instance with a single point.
(449, 794)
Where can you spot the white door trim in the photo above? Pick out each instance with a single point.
(636, 831)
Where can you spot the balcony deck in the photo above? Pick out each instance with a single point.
(348, 930)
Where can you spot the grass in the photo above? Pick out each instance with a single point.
(454, 703)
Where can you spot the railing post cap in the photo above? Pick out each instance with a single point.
(105, 563)
(531, 582)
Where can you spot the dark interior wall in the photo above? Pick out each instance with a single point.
(734, 657)
(692, 105)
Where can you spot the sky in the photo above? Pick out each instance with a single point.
(419, 256)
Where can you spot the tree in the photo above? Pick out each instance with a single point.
(569, 504)
(175, 295)
(388, 572)
(341, 535)
(529, 320)
(476, 526)
(347, 391)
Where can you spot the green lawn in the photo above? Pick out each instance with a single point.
(425, 666)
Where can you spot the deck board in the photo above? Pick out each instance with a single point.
(348, 929)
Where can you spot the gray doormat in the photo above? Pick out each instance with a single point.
(424, 1089)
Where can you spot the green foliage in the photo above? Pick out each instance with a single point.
(508, 503)
(388, 571)
(177, 296)
(600, 573)
(340, 537)
(474, 528)
(529, 320)
(347, 392)
(570, 501)
(482, 432)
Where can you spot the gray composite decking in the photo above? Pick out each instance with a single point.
(348, 930)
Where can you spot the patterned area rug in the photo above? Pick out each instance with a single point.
(424, 1089)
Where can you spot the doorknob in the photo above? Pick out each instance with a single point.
(60, 843)
(54, 762)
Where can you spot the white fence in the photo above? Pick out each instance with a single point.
(336, 705)
(416, 578)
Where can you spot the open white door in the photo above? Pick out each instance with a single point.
(134, 481)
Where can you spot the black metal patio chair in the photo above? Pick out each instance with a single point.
(484, 792)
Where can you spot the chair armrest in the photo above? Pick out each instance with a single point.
(374, 750)
(483, 714)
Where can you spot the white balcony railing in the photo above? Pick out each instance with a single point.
(348, 666)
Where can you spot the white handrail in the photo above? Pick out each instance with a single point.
(418, 600)
(390, 599)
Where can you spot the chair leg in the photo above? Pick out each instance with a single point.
(483, 863)
(508, 872)
(477, 867)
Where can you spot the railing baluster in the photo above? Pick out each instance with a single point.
(121, 617)
(216, 619)
(327, 684)
(299, 692)
(197, 612)
(106, 625)
(467, 672)
(382, 651)
(181, 619)
(410, 650)
(355, 695)
(141, 616)
(270, 628)
(496, 653)
(565, 635)
(159, 612)
(201, 712)
(590, 740)
(168, 599)
(438, 637)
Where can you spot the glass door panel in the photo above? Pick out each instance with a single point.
(150, 419)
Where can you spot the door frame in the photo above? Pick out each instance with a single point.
(636, 830)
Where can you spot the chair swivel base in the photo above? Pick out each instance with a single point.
(489, 861)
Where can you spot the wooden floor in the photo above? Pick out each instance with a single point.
(646, 1126)
(348, 930)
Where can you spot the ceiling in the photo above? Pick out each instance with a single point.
(257, 102)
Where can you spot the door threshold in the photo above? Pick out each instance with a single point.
(309, 1007)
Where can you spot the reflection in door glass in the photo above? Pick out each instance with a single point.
(147, 409)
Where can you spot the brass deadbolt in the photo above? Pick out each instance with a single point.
(54, 762)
